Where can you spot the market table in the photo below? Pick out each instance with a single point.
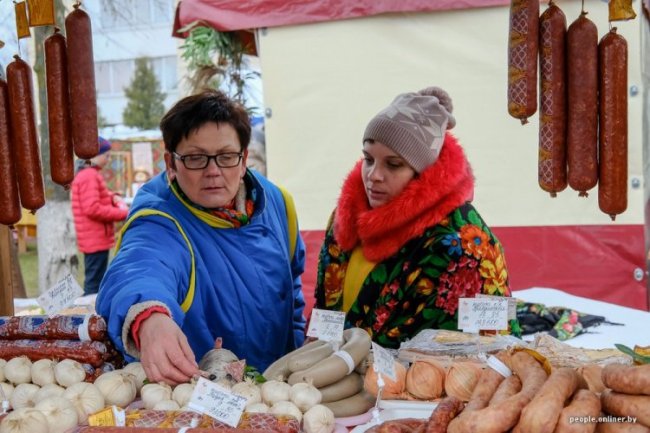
(635, 329)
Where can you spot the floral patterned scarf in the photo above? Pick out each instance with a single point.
(431, 247)
(243, 205)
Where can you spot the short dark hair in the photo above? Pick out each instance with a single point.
(192, 112)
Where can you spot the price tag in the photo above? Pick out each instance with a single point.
(490, 314)
(61, 295)
(326, 325)
(383, 362)
(216, 401)
(512, 304)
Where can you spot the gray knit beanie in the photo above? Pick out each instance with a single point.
(414, 126)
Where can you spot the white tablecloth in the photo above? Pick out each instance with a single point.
(636, 323)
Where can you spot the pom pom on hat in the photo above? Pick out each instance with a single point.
(414, 126)
(104, 145)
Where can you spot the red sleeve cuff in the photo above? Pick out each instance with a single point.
(135, 326)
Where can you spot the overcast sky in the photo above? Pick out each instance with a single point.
(8, 34)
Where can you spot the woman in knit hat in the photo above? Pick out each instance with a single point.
(404, 242)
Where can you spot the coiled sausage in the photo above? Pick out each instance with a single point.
(582, 129)
(81, 76)
(23, 128)
(9, 199)
(612, 134)
(58, 110)
(552, 169)
(522, 59)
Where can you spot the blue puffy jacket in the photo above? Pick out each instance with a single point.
(246, 286)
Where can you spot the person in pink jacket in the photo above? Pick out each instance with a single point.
(95, 210)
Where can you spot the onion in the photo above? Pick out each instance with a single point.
(392, 389)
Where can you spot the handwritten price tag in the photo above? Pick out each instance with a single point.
(490, 314)
(383, 362)
(61, 295)
(326, 325)
(217, 402)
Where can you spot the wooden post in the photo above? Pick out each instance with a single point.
(6, 272)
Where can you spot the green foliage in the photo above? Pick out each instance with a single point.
(215, 57)
(145, 107)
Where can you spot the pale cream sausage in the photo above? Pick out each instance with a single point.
(304, 360)
(279, 370)
(351, 406)
(346, 387)
(487, 384)
(507, 388)
(334, 368)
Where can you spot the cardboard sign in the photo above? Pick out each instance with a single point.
(489, 314)
(326, 325)
(218, 402)
(61, 295)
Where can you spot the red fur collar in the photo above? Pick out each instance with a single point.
(425, 201)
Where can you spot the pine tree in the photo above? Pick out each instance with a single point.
(145, 107)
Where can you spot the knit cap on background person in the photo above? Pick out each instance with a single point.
(414, 126)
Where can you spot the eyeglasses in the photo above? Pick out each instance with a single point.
(200, 161)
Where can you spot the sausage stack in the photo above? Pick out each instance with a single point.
(582, 100)
(628, 395)
(82, 338)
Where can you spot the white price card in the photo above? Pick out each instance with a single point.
(61, 295)
(326, 325)
(218, 402)
(383, 362)
(489, 314)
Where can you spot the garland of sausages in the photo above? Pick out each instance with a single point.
(72, 118)
(582, 100)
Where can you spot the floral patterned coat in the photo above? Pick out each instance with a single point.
(430, 247)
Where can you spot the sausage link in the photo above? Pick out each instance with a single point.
(442, 415)
(279, 369)
(612, 156)
(627, 405)
(628, 379)
(552, 169)
(81, 76)
(522, 58)
(9, 198)
(582, 127)
(346, 387)
(85, 352)
(63, 327)
(485, 388)
(23, 129)
(576, 416)
(503, 416)
(351, 406)
(58, 110)
(508, 388)
(541, 414)
(621, 427)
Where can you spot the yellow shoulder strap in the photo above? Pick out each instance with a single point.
(292, 220)
(189, 298)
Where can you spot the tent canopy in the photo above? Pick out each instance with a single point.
(230, 15)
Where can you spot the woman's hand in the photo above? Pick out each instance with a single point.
(165, 353)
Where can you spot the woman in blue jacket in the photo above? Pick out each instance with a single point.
(210, 249)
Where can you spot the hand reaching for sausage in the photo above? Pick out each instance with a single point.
(165, 353)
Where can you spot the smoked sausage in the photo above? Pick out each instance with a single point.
(582, 127)
(523, 44)
(442, 415)
(25, 139)
(612, 133)
(81, 76)
(9, 199)
(552, 169)
(58, 110)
